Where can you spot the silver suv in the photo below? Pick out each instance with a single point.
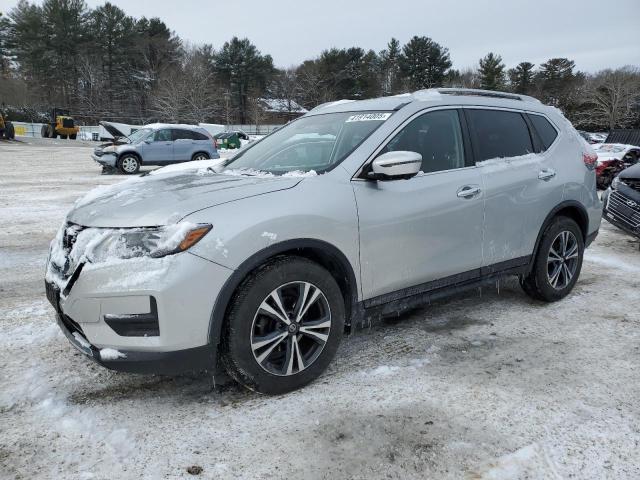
(354, 211)
(156, 144)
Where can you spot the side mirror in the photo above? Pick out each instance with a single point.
(395, 166)
(148, 141)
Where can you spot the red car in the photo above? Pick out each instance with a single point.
(612, 159)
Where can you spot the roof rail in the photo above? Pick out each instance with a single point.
(478, 93)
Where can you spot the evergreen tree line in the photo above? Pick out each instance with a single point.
(104, 64)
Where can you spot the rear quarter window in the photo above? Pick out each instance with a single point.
(199, 136)
(498, 134)
(546, 132)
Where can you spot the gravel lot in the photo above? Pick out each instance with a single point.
(488, 385)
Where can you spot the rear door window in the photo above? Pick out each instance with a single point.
(199, 136)
(182, 134)
(498, 134)
(544, 129)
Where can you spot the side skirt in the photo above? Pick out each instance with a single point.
(420, 295)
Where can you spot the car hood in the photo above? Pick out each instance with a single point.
(631, 172)
(113, 130)
(155, 200)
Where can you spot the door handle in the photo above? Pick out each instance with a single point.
(546, 174)
(468, 191)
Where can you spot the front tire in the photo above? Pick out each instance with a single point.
(558, 261)
(129, 164)
(284, 326)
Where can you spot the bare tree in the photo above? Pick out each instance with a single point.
(188, 94)
(611, 98)
(286, 90)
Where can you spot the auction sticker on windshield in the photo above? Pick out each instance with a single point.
(366, 117)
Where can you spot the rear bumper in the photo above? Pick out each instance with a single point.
(168, 363)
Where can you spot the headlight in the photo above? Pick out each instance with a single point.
(144, 242)
(111, 149)
(615, 183)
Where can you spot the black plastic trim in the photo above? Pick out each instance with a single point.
(561, 206)
(446, 282)
(402, 300)
(137, 324)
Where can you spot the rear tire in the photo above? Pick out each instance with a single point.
(44, 131)
(129, 164)
(73, 136)
(10, 131)
(269, 355)
(200, 156)
(557, 263)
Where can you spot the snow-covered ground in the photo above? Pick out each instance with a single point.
(488, 385)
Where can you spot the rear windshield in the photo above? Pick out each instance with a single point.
(315, 143)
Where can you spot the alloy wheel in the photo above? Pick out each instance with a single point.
(562, 261)
(200, 157)
(290, 328)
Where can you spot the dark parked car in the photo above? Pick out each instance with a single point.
(622, 201)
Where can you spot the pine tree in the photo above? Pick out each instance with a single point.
(521, 78)
(242, 68)
(390, 77)
(557, 82)
(424, 63)
(491, 71)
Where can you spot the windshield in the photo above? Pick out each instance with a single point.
(139, 135)
(315, 143)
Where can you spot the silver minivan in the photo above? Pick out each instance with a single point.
(354, 211)
(156, 144)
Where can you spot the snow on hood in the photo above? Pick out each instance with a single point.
(163, 199)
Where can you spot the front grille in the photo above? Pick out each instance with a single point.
(632, 183)
(98, 152)
(624, 209)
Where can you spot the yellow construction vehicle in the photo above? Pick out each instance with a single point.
(6, 127)
(60, 123)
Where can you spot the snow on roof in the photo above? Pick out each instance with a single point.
(282, 105)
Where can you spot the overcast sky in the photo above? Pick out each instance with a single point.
(595, 33)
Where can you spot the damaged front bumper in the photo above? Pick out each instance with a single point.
(106, 159)
(131, 361)
(132, 318)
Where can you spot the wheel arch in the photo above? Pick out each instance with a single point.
(568, 208)
(197, 152)
(321, 252)
(131, 152)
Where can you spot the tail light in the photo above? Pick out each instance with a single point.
(590, 160)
